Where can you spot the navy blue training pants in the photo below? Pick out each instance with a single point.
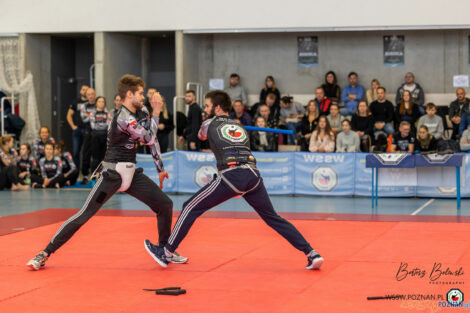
(244, 180)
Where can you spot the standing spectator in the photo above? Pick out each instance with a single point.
(165, 126)
(9, 172)
(150, 93)
(86, 113)
(347, 140)
(51, 170)
(193, 122)
(99, 123)
(69, 169)
(74, 118)
(27, 166)
(181, 124)
(425, 142)
(335, 119)
(260, 140)
(432, 121)
(239, 113)
(351, 95)
(39, 143)
(417, 92)
(465, 140)
(457, 109)
(322, 101)
(403, 140)
(363, 124)
(382, 112)
(236, 91)
(291, 113)
(269, 88)
(407, 110)
(371, 94)
(331, 88)
(117, 106)
(323, 138)
(308, 124)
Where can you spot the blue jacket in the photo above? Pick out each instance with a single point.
(464, 122)
(351, 105)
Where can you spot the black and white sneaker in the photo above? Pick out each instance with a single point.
(314, 260)
(39, 261)
(157, 253)
(175, 257)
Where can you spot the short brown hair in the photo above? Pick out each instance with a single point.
(271, 96)
(430, 105)
(220, 97)
(129, 82)
(191, 91)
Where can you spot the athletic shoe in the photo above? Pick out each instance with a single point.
(39, 261)
(84, 180)
(314, 260)
(157, 253)
(175, 257)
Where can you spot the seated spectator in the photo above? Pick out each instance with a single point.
(265, 111)
(464, 122)
(465, 140)
(425, 142)
(269, 88)
(69, 169)
(347, 140)
(417, 92)
(39, 143)
(322, 102)
(27, 166)
(165, 127)
(382, 112)
(351, 95)
(457, 110)
(403, 140)
(262, 141)
(432, 121)
(323, 138)
(271, 100)
(8, 170)
(371, 94)
(308, 124)
(236, 91)
(51, 169)
(331, 88)
(291, 113)
(407, 110)
(240, 114)
(335, 119)
(363, 124)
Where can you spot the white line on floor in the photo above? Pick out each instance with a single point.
(422, 207)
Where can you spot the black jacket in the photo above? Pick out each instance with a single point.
(194, 123)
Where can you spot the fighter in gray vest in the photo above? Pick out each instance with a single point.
(130, 126)
(237, 177)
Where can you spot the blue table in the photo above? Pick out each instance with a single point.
(408, 160)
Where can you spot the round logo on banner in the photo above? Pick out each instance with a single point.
(233, 133)
(455, 297)
(324, 178)
(204, 174)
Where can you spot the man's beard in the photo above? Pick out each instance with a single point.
(212, 113)
(138, 105)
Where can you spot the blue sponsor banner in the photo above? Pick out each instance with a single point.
(196, 169)
(363, 182)
(304, 173)
(324, 173)
(169, 162)
(277, 170)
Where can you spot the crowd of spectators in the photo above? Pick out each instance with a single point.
(348, 119)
